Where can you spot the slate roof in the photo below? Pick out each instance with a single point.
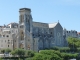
(52, 25)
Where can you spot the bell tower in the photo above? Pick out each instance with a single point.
(25, 40)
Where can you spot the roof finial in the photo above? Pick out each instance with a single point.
(58, 21)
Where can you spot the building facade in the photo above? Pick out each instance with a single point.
(32, 35)
(36, 35)
(8, 38)
(69, 33)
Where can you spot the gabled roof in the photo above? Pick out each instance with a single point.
(52, 25)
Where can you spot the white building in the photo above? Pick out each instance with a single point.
(8, 37)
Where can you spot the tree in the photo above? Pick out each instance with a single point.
(3, 51)
(51, 54)
(29, 53)
(73, 43)
(7, 50)
(67, 56)
(19, 52)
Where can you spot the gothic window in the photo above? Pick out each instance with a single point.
(20, 18)
(51, 32)
(30, 16)
(21, 45)
(29, 47)
(22, 34)
(28, 21)
(46, 42)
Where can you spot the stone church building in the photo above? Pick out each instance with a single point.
(36, 35)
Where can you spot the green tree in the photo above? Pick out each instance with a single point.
(53, 55)
(73, 43)
(29, 53)
(67, 56)
(3, 51)
(19, 52)
(8, 50)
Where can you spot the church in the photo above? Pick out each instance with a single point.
(36, 35)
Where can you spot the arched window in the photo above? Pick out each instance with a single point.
(21, 18)
(22, 35)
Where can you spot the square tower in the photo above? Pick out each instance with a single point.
(25, 40)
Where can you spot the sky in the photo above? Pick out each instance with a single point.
(47, 11)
